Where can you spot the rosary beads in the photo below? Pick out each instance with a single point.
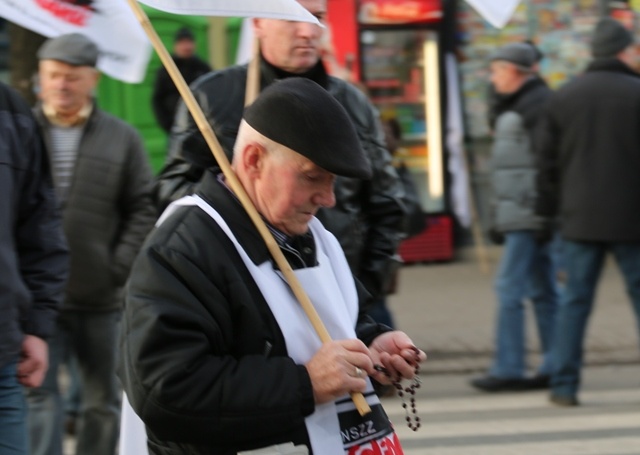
(413, 421)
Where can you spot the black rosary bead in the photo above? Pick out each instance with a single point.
(413, 421)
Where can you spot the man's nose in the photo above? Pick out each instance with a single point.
(326, 197)
(309, 30)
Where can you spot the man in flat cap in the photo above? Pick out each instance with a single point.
(526, 270)
(217, 354)
(101, 175)
(589, 160)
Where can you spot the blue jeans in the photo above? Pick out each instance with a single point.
(527, 270)
(583, 263)
(92, 337)
(13, 413)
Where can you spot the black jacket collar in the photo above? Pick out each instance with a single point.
(613, 65)
(270, 74)
(299, 251)
(230, 208)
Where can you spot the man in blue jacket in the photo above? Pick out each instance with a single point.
(33, 261)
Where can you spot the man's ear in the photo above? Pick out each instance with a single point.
(253, 159)
(257, 27)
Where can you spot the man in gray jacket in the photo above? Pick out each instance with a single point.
(102, 177)
(526, 268)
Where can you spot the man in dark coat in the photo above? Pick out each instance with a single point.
(217, 354)
(33, 264)
(165, 96)
(588, 178)
(102, 176)
(368, 217)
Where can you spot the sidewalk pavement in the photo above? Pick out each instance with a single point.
(448, 309)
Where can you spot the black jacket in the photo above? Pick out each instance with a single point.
(108, 212)
(590, 155)
(368, 217)
(33, 252)
(165, 96)
(203, 361)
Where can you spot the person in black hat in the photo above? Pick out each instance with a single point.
(527, 267)
(214, 341)
(588, 165)
(165, 95)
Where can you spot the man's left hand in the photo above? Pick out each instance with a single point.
(34, 361)
(397, 354)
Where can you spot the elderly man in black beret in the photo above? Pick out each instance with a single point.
(217, 354)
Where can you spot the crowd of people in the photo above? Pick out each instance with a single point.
(565, 195)
(165, 287)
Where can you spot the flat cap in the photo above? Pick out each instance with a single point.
(521, 54)
(609, 38)
(301, 115)
(73, 48)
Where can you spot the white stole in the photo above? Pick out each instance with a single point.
(330, 287)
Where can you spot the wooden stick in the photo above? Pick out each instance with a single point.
(236, 186)
(252, 89)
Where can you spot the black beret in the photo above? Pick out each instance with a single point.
(609, 38)
(73, 48)
(301, 115)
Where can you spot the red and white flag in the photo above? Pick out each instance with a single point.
(124, 47)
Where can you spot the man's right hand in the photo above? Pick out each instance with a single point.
(34, 361)
(338, 368)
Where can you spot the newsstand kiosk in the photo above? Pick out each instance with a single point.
(392, 47)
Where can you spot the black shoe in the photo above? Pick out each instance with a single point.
(70, 424)
(494, 384)
(537, 382)
(566, 401)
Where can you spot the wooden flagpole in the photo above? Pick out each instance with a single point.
(220, 157)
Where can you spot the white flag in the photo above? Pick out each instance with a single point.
(289, 10)
(496, 12)
(124, 47)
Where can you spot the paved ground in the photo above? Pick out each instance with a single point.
(457, 420)
(449, 309)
